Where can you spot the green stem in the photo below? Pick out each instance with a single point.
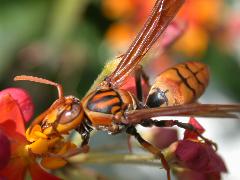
(65, 15)
(103, 158)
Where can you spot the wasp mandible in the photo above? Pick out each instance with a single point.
(112, 109)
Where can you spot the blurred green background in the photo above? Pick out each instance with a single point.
(69, 41)
(58, 40)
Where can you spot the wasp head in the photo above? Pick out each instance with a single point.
(63, 116)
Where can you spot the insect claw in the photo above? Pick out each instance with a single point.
(208, 141)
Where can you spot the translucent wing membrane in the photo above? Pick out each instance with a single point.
(200, 110)
(162, 14)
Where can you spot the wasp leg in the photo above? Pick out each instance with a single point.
(38, 120)
(152, 149)
(73, 152)
(84, 130)
(139, 75)
(171, 123)
(129, 144)
(84, 147)
(85, 139)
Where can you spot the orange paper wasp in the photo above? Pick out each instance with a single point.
(115, 110)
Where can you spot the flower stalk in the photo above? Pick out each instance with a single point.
(106, 158)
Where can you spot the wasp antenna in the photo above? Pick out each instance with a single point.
(42, 81)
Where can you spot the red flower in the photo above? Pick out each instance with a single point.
(23, 99)
(190, 134)
(12, 126)
(4, 150)
(196, 159)
(194, 175)
(199, 157)
(130, 86)
(174, 30)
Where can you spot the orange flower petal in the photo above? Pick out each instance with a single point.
(10, 111)
(34, 133)
(209, 14)
(38, 173)
(40, 135)
(38, 147)
(53, 162)
(185, 43)
(41, 145)
(119, 35)
(68, 146)
(117, 9)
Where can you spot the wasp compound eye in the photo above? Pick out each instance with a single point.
(69, 115)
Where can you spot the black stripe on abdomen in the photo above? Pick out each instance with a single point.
(194, 74)
(184, 80)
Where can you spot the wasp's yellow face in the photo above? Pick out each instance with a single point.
(46, 135)
(63, 117)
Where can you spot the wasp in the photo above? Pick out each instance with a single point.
(115, 110)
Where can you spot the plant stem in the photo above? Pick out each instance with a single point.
(103, 158)
(65, 16)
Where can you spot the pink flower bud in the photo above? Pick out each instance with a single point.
(5, 151)
(173, 32)
(130, 86)
(163, 137)
(23, 99)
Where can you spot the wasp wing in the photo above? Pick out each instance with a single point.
(162, 14)
(199, 110)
